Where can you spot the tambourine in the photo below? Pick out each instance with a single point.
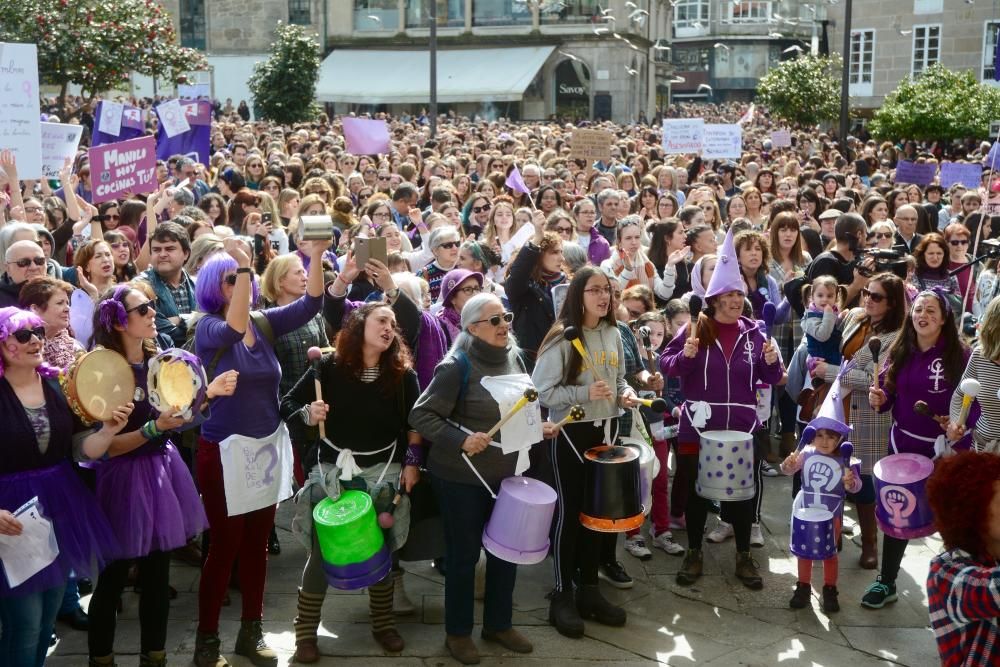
(97, 383)
(177, 383)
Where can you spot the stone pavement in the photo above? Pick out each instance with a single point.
(717, 622)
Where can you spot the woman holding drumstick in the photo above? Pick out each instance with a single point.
(564, 379)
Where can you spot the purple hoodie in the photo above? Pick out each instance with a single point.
(712, 378)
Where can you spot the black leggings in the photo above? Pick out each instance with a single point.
(893, 549)
(574, 547)
(739, 513)
(154, 604)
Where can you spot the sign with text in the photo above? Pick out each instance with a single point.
(123, 167)
(683, 135)
(991, 207)
(590, 145)
(960, 172)
(722, 141)
(20, 127)
(781, 139)
(915, 173)
(59, 143)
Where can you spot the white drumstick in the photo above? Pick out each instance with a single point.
(970, 388)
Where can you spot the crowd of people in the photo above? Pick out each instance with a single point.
(801, 296)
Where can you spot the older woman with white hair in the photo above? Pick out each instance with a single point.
(444, 243)
(454, 412)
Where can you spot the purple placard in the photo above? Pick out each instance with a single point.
(366, 137)
(123, 167)
(132, 126)
(916, 173)
(968, 175)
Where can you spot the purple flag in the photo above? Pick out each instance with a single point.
(132, 126)
(515, 182)
(196, 142)
(366, 137)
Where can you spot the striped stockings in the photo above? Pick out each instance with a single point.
(380, 605)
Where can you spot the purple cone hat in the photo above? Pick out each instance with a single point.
(830, 415)
(727, 277)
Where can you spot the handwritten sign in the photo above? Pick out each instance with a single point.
(59, 143)
(590, 145)
(683, 135)
(20, 125)
(365, 136)
(781, 139)
(126, 166)
(172, 118)
(915, 173)
(960, 172)
(722, 141)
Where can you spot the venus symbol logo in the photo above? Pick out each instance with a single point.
(899, 504)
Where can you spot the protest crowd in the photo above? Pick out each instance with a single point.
(399, 332)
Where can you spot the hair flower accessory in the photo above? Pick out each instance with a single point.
(112, 311)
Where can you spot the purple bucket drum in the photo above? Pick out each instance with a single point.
(725, 466)
(518, 529)
(901, 505)
(812, 535)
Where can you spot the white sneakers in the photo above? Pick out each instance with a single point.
(756, 536)
(722, 532)
(665, 541)
(636, 546)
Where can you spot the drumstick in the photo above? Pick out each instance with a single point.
(576, 413)
(846, 452)
(644, 333)
(875, 346)
(921, 408)
(656, 404)
(970, 388)
(315, 354)
(693, 328)
(385, 519)
(530, 395)
(768, 313)
(572, 334)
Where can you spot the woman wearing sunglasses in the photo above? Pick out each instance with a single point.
(958, 238)
(143, 487)
(39, 430)
(225, 291)
(455, 412)
(598, 385)
(444, 243)
(476, 214)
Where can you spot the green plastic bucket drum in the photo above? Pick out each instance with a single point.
(354, 551)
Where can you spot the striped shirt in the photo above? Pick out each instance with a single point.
(987, 428)
(963, 597)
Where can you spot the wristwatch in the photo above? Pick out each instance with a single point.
(244, 269)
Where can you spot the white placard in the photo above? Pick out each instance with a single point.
(722, 141)
(20, 126)
(32, 551)
(111, 118)
(781, 139)
(683, 135)
(59, 143)
(525, 427)
(193, 92)
(172, 118)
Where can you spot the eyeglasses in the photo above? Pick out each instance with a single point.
(470, 290)
(600, 291)
(32, 209)
(23, 336)
(958, 242)
(883, 235)
(230, 279)
(564, 230)
(370, 172)
(146, 306)
(495, 320)
(481, 209)
(385, 178)
(25, 262)
(449, 245)
(874, 296)
(381, 216)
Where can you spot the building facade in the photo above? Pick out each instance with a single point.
(522, 59)
(893, 39)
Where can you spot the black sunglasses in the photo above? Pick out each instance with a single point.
(230, 279)
(143, 308)
(495, 320)
(23, 336)
(874, 296)
(480, 209)
(25, 262)
(450, 244)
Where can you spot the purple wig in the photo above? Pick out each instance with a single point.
(14, 319)
(208, 287)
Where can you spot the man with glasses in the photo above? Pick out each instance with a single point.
(906, 227)
(169, 249)
(403, 199)
(383, 181)
(187, 169)
(24, 260)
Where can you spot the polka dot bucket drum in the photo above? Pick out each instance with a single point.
(812, 534)
(725, 466)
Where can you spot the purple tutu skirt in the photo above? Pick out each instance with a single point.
(150, 500)
(86, 541)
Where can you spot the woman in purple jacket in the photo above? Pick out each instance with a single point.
(925, 364)
(724, 345)
(226, 288)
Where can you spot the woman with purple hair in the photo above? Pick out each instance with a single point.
(143, 486)
(244, 422)
(41, 436)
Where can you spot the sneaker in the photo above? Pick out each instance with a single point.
(715, 507)
(767, 470)
(800, 598)
(636, 545)
(615, 574)
(665, 541)
(756, 536)
(678, 523)
(879, 594)
(722, 532)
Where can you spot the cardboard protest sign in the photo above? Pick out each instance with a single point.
(365, 136)
(131, 125)
(590, 145)
(683, 135)
(915, 173)
(722, 141)
(781, 139)
(968, 175)
(127, 166)
(20, 124)
(59, 143)
(172, 118)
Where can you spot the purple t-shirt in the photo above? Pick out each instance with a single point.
(252, 410)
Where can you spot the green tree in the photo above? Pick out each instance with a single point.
(938, 104)
(98, 44)
(804, 90)
(284, 86)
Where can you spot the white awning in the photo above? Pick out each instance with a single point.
(362, 76)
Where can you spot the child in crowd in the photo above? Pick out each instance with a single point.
(822, 326)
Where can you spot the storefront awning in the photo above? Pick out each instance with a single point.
(362, 76)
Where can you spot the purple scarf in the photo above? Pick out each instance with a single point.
(451, 320)
(432, 345)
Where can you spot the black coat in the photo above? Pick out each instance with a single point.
(530, 302)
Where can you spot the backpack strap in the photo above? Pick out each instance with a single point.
(463, 361)
(263, 325)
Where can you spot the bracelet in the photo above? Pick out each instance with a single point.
(149, 430)
(244, 269)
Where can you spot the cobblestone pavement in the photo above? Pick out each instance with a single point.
(717, 622)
